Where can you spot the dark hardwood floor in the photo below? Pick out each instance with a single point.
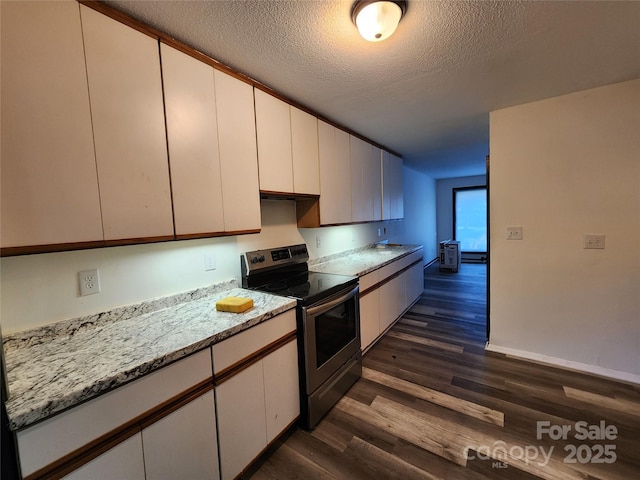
(433, 404)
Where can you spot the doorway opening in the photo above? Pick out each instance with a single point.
(470, 222)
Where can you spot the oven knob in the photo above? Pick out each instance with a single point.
(255, 259)
(261, 259)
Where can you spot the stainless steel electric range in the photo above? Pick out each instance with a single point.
(328, 317)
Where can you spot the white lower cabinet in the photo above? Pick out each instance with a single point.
(183, 444)
(390, 295)
(255, 404)
(382, 305)
(242, 423)
(124, 461)
(415, 282)
(369, 318)
(281, 389)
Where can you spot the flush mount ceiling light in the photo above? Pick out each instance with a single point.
(377, 19)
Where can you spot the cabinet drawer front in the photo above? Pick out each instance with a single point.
(404, 262)
(240, 346)
(51, 439)
(369, 280)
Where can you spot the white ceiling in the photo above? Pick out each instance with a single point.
(427, 91)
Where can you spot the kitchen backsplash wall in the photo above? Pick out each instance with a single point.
(41, 289)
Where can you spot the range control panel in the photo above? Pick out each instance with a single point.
(273, 257)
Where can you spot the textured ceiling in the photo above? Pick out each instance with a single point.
(427, 91)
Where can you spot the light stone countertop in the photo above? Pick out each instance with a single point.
(56, 367)
(362, 261)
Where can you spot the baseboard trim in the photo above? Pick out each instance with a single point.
(565, 364)
(428, 264)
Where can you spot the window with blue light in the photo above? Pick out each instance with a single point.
(470, 218)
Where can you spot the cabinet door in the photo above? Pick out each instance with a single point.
(273, 131)
(392, 297)
(242, 427)
(125, 461)
(304, 150)
(123, 69)
(386, 185)
(361, 152)
(373, 187)
(369, 318)
(49, 190)
(393, 204)
(183, 444)
(415, 283)
(192, 134)
(282, 396)
(238, 153)
(335, 175)
(397, 198)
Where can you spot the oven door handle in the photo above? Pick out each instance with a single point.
(332, 303)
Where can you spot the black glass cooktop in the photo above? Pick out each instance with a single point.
(309, 287)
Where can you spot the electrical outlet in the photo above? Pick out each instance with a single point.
(593, 241)
(209, 261)
(318, 242)
(89, 282)
(379, 232)
(514, 233)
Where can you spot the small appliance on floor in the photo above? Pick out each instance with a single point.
(450, 256)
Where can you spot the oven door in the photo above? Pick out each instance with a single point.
(331, 335)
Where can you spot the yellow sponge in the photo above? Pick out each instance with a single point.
(234, 304)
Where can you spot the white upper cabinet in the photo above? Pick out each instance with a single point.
(123, 69)
(304, 150)
(392, 194)
(397, 199)
(287, 147)
(238, 153)
(373, 186)
(361, 153)
(273, 129)
(192, 134)
(49, 190)
(366, 193)
(335, 175)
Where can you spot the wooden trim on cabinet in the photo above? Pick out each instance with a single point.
(390, 277)
(121, 17)
(232, 370)
(83, 455)
(272, 195)
(50, 248)
(308, 212)
(137, 241)
(193, 236)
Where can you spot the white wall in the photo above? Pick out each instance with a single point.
(42, 289)
(444, 201)
(561, 168)
(419, 224)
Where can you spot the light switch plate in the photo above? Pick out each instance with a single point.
(209, 261)
(514, 233)
(593, 241)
